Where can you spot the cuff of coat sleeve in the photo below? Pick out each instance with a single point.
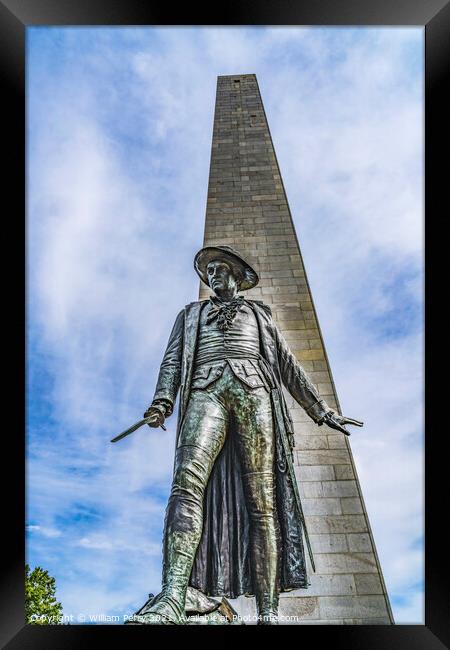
(163, 405)
(318, 411)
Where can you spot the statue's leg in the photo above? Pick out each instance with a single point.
(255, 436)
(200, 441)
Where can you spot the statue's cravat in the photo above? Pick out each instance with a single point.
(225, 312)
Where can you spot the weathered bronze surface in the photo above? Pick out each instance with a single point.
(199, 610)
(234, 521)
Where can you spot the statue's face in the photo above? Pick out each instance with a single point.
(220, 276)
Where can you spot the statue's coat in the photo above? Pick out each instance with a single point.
(222, 564)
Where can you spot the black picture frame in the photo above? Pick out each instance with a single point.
(15, 16)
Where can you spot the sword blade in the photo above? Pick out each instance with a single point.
(133, 428)
(130, 430)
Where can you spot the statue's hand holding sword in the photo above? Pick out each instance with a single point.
(152, 416)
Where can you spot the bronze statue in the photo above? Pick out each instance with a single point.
(233, 523)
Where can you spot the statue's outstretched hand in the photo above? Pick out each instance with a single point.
(155, 415)
(336, 421)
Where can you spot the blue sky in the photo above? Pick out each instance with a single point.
(119, 129)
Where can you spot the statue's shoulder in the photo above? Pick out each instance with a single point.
(195, 304)
(262, 305)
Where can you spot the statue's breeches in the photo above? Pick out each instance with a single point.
(226, 407)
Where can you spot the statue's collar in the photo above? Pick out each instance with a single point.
(217, 302)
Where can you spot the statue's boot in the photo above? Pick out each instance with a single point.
(182, 532)
(267, 606)
(265, 540)
(165, 611)
(169, 606)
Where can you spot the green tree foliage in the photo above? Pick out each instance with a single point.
(41, 606)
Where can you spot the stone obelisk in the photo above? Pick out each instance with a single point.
(247, 208)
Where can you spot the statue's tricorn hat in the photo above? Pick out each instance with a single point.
(206, 255)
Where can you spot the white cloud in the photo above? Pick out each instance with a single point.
(42, 530)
